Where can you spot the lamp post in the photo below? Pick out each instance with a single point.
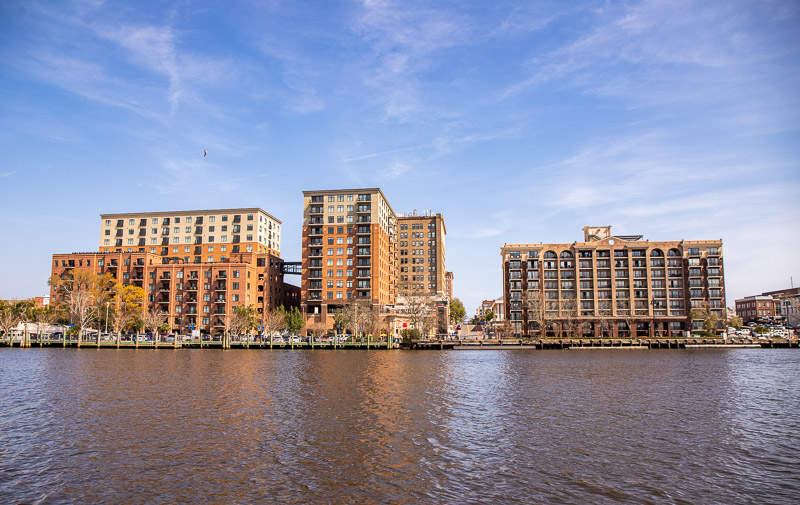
(107, 304)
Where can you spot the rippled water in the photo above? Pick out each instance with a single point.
(516, 426)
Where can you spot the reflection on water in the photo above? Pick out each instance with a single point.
(519, 426)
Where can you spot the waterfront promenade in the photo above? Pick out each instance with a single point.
(433, 344)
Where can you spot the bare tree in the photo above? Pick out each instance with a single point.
(358, 312)
(419, 304)
(272, 322)
(78, 291)
(605, 318)
(626, 313)
(569, 317)
(9, 319)
(536, 308)
(154, 319)
(44, 317)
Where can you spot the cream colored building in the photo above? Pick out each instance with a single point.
(196, 236)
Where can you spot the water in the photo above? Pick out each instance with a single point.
(516, 426)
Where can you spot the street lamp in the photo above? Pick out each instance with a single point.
(107, 304)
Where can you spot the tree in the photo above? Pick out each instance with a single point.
(293, 319)
(128, 301)
(357, 314)
(44, 317)
(9, 319)
(710, 318)
(735, 322)
(606, 318)
(154, 319)
(536, 308)
(570, 323)
(80, 292)
(626, 312)
(340, 320)
(457, 311)
(419, 303)
(273, 321)
(243, 320)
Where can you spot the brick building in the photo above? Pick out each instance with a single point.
(195, 266)
(611, 285)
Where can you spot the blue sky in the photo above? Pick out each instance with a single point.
(518, 121)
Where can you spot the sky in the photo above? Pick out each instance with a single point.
(519, 122)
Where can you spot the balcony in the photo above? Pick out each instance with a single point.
(363, 251)
(315, 264)
(315, 274)
(316, 209)
(363, 230)
(219, 300)
(315, 253)
(363, 209)
(314, 231)
(220, 287)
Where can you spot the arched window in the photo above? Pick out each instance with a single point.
(674, 253)
(566, 254)
(550, 254)
(656, 253)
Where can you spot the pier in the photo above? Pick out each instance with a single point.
(604, 343)
(198, 344)
(430, 344)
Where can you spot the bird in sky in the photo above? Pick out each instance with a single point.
(204, 153)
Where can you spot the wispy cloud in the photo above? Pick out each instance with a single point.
(153, 48)
(402, 40)
(5, 175)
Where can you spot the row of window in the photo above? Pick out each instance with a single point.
(340, 198)
(604, 253)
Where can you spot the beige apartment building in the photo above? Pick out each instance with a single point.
(611, 285)
(349, 250)
(421, 254)
(196, 236)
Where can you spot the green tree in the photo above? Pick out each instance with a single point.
(341, 320)
(457, 311)
(293, 319)
(735, 321)
(711, 319)
(410, 334)
(488, 316)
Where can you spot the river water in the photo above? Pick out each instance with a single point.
(357, 427)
